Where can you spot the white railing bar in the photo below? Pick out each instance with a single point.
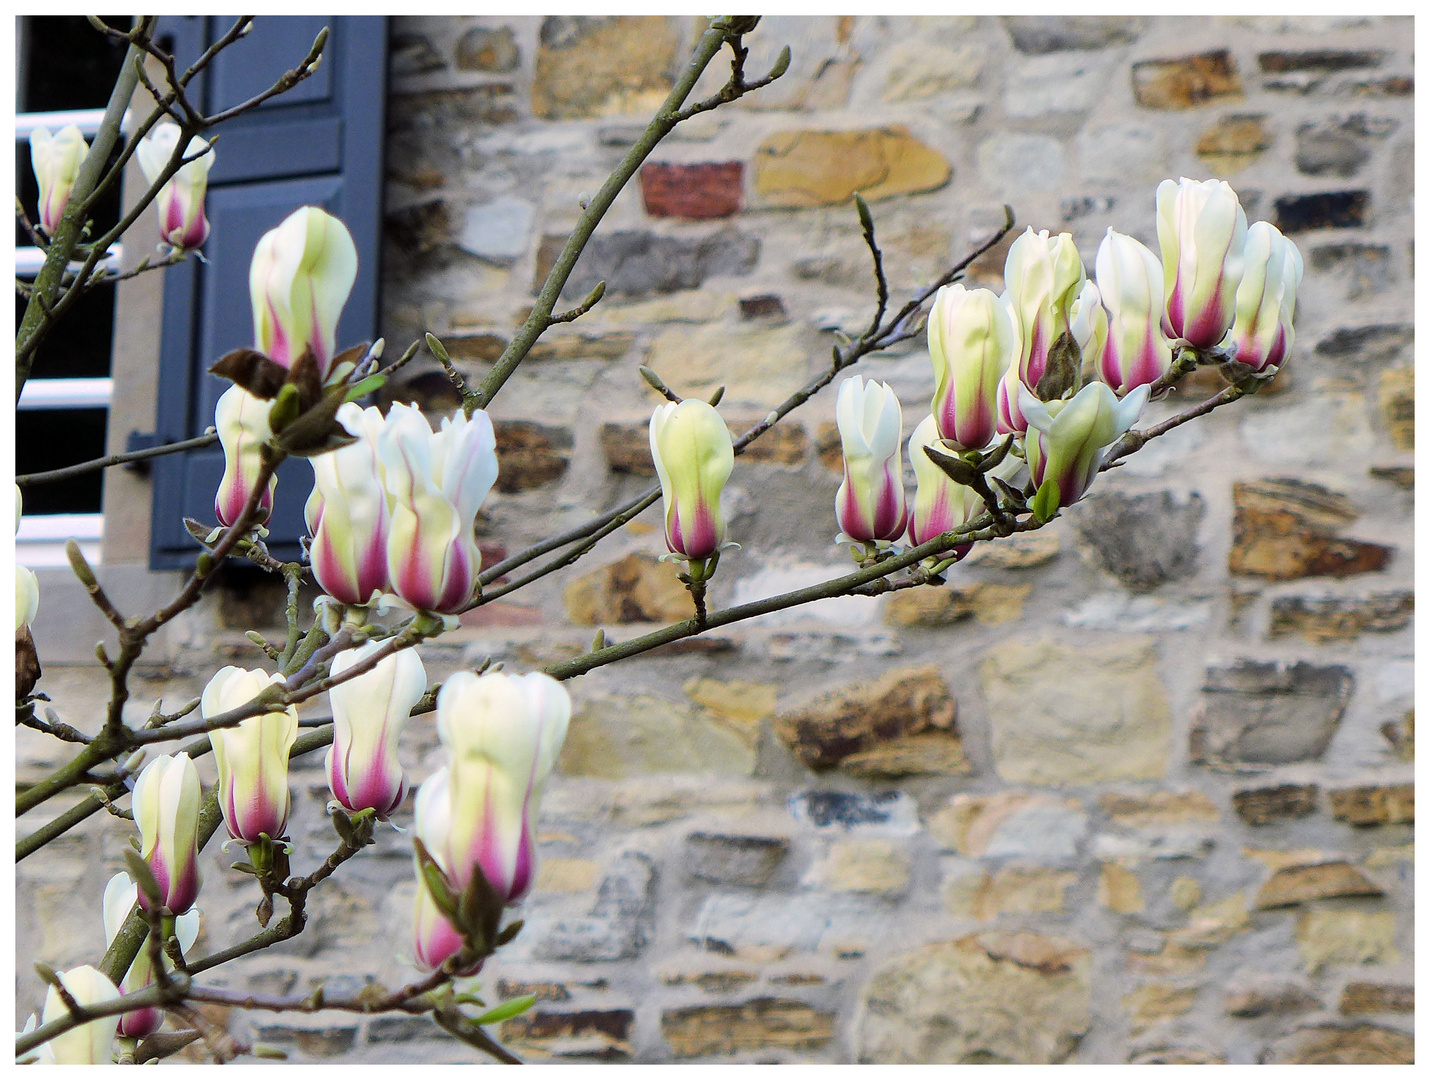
(28, 260)
(87, 119)
(66, 394)
(49, 528)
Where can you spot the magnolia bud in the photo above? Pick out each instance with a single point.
(56, 160)
(870, 503)
(1202, 230)
(1042, 277)
(368, 713)
(973, 341)
(180, 202)
(252, 758)
(299, 280)
(435, 482)
(1066, 439)
(1262, 334)
(1135, 352)
(167, 798)
(242, 422)
(87, 1044)
(120, 896)
(693, 457)
(940, 504)
(347, 512)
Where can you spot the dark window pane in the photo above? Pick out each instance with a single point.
(68, 63)
(78, 345)
(51, 439)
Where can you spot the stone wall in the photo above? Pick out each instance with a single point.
(1137, 787)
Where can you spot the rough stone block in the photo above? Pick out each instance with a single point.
(394, 1029)
(316, 1040)
(1151, 1003)
(763, 306)
(877, 867)
(1323, 210)
(1319, 881)
(1119, 889)
(918, 69)
(637, 263)
(757, 363)
(1057, 712)
(1038, 34)
(997, 997)
(542, 991)
(825, 168)
(763, 927)
(572, 1033)
(1364, 267)
(990, 603)
(1017, 552)
(1397, 406)
(1038, 828)
(1269, 713)
(1331, 1044)
(1330, 149)
(762, 1024)
(592, 67)
(887, 812)
(907, 701)
(1157, 808)
(558, 875)
(699, 191)
(1359, 998)
(1233, 143)
(730, 859)
(1022, 162)
(1185, 82)
(1286, 528)
(1375, 343)
(481, 49)
(1374, 804)
(497, 231)
(530, 455)
(1332, 936)
(1145, 540)
(1320, 619)
(619, 737)
(1270, 994)
(1262, 806)
(1279, 61)
(637, 588)
(619, 923)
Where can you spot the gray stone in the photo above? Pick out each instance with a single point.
(886, 813)
(403, 1029)
(1137, 614)
(1377, 343)
(1269, 713)
(635, 263)
(497, 231)
(998, 997)
(413, 54)
(1119, 153)
(1020, 162)
(1331, 149)
(618, 924)
(1052, 33)
(1144, 540)
(1269, 994)
(320, 1040)
(769, 926)
(481, 49)
(1365, 268)
(728, 859)
(1061, 83)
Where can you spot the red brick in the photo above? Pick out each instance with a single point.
(711, 189)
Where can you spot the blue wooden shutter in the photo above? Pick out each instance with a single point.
(319, 144)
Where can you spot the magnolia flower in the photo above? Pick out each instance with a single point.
(435, 939)
(347, 513)
(252, 758)
(973, 341)
(435, 482)
(1066, 439)
(242, 422)
(27, 585)
(87, 1044)
(940, 503)
(299, 280)
(693, 457)
(1135, 351)
(56, 160)
(180, 201)
(1042, 277)
(870, 503)
(1202, 230)
(120, 896)
(502, 734)
(368, 713)
(166, 804)
(1262, 334)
